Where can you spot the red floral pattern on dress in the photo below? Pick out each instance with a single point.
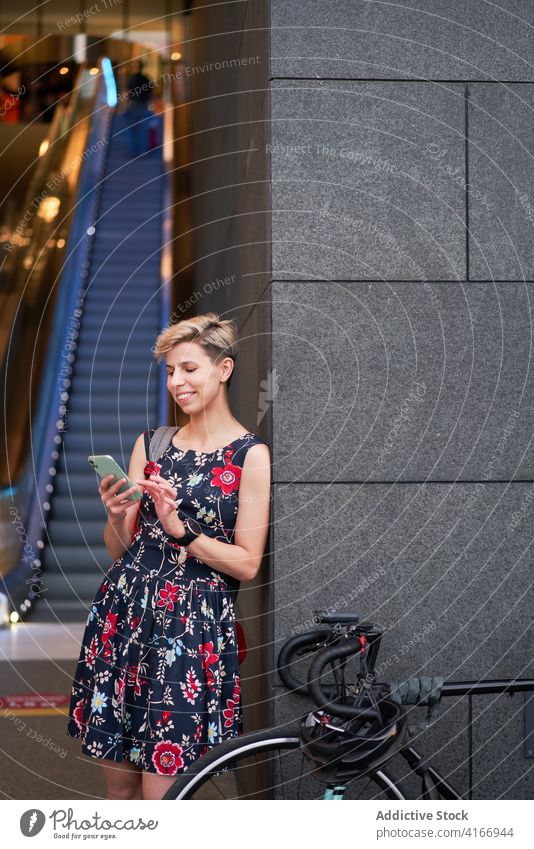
(134, 679)
(208, 655)
(167, 757)
(226, 477)
(78, 714)
(110, 626)
(231, 704)
(168, 596)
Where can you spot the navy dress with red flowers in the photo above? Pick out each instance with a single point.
(157, 681)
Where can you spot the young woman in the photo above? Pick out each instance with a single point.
(157, 682)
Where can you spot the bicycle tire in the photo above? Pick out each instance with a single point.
(199, 778)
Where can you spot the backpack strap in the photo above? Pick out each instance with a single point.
(148, 436)
(160, 441)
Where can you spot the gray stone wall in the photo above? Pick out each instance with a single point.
(402, 279)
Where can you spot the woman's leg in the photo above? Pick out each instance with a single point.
(155, 786)
(123, 780)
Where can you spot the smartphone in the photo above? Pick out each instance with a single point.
(104, 464)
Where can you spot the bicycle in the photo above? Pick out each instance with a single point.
(272, 761)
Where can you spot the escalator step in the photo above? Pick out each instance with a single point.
(128, 255)
(122, 323)
(141, 366)
(146, 218)
(109, 310)
(65, 612)
(125, 298)
(78, 532)
(122, 347)
(101, 424)
(109, 335)
(74, 460)
(108, 412)
(78, 442)
(76, 463)
(115, 317)
(84, 405)
(101, 385)
(67, 587)
(66, 557)
(114, 269)
(81, 509)
(95, 349)
(125, 304)
(85, 445)
(77, 485)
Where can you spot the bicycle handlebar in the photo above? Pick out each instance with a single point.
(324, 694)
(336, 652)
(311, 639)
(343, 618)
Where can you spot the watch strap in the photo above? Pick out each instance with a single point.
(189, 535)
(187, 538)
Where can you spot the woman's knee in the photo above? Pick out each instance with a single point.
(125, 793)
(123, 780)
(155, 786)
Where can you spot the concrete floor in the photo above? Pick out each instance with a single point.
(39, 760)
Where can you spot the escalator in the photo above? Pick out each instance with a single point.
(83, 330)
(114, 389)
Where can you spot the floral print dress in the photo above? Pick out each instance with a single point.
(157, 681)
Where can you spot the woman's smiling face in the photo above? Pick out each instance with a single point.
(193, 379)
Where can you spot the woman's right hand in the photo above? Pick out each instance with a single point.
(112, 499)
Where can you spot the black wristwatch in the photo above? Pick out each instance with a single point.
(192, 530)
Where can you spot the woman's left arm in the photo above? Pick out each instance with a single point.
(243, 558)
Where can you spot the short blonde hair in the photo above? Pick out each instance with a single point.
(217, 337)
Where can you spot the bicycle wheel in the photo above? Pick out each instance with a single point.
(269, 764)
